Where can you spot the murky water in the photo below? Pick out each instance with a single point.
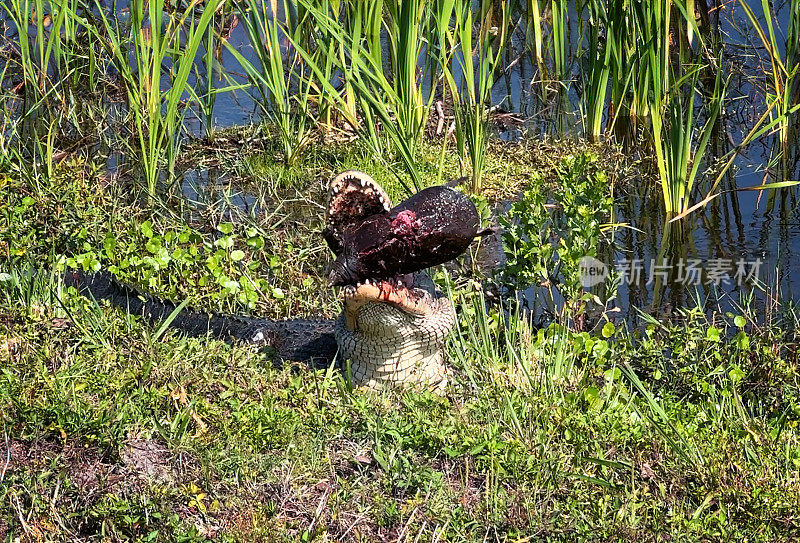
(759, 233)
(739, 240)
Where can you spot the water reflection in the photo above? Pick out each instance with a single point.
(736, 226)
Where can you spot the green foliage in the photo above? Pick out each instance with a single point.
(274, 74)
(545, 246)
(783, 79)
(157, 111)
(395, 97)
(51, 58)
(472, 111)
(677, 162)
(604, 18)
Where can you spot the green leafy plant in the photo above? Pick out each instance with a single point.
(53, 59)
(783, 81)
(678, 163)
(545, 247)
(394, 102)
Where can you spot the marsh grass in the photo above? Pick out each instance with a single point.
(388, 90)
(51, 61)
(378, 67)
(782, 87)
(111, 425)
(278, 74)
(598, 53)
(204, 91)
(677, 159)
(478, 67)
(155, 101)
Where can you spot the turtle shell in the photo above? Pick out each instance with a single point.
(431, 227)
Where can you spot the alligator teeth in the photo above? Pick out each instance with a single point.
(349, 290)
(363, 182)
(367, 282)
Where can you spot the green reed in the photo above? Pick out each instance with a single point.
(534, 40)
(678, 162)
(279, 78)
(50, 59)
(559, 28)
(327, 98)
(364, 24)
(472, 97)
(547, 44)
(596, 67)
(391, 102)
(782, 81)
(623, 65)
(206, 94)
(155, 104)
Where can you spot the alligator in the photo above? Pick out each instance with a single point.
(394, 321)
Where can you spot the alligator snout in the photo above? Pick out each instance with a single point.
(340, 272)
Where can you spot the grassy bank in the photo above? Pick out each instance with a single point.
(117, 429)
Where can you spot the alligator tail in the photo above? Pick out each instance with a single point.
(299, 339)
(104, 285)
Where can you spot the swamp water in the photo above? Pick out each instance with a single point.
(742, 242)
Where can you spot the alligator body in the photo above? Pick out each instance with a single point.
(394, 321)
(310, 340)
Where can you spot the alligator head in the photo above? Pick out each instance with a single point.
(378, 247)
(394, 321)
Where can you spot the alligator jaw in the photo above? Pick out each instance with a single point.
(396, 292)
(353, 188)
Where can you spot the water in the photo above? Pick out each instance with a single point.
(738, 226)
(743, 233)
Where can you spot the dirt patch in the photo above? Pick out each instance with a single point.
(84, 467)
(12, 456)
(17, 455)
(149, 459)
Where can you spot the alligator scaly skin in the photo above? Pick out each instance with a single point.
(392, 346)
(390, 330)
(310, 340)
(387, 345)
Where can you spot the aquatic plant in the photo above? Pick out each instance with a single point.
(392, 102)
(601, 24)
(51, 59)
(156, 105)
(479, 68)
(545, 247)
(204, 91)
(547, 29)
(782, 79)
(278, 74)
(678, 162)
